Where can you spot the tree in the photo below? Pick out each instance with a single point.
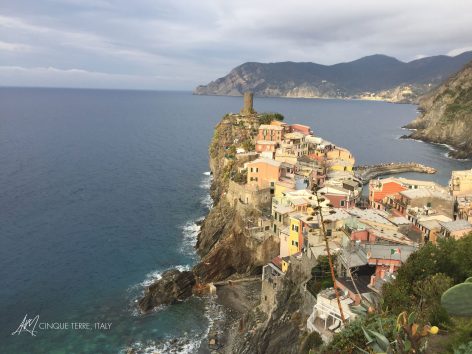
(267, 118)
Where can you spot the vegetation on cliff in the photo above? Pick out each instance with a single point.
(447, 115)
(417, 289)
(372, 77)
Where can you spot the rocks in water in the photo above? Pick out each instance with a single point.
(174, 286)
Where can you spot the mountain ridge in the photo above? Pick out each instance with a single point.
(375, 77)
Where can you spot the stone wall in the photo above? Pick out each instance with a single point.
(248, 195)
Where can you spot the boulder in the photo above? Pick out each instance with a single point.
(173, 287)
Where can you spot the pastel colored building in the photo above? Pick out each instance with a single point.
(339, 153)
(270, 133)
(266, 145)
(455, 229)
(461, 182)
(293, 147)
(339, 165)
(422, 201)
(463, 208)
(430, 226)
(295, 244)
(338, 197)
(304, 129)
(379, 189)
(263, 172)
(279, 123)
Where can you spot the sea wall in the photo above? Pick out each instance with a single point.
(366, 173)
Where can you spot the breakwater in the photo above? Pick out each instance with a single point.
(366, 173)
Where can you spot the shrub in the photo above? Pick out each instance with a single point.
(267, 118)
(310, 342)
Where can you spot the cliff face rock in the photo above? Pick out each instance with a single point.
(225, 244)
(282, 331)
(376, 77)
(447, 117)
(173, 287)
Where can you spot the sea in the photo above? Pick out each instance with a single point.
(102, 190)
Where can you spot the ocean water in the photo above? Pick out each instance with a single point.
(100, 191)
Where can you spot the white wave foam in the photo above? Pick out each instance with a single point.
(213, 312)
(190, 233)
(206, 181)
(207, 202)
(182, 345)
(153, 276)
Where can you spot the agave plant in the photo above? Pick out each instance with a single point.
(410, 337)
(377, 342)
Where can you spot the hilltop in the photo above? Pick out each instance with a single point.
(375, 77)
(447, 115)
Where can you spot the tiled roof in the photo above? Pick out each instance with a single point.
(457, 225)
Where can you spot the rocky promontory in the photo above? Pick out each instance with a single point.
(226, 243)
(174, 286)
(446, 116)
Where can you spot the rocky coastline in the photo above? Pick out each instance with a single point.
(225, 246)
(446, 114)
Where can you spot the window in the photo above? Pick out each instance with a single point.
(257, 169)
(251, 169)
(342, 203)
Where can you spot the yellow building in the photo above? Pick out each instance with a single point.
(295, 241)
(341, 154)
(339, 165)
(285, 264)
(461, 182)
(282, 187)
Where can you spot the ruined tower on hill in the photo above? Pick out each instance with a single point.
(248, 103)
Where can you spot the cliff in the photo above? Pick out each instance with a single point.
(376, 77)
(279, 333)
(227, 243)
(447, 115)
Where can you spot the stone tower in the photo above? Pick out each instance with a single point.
(248, 103)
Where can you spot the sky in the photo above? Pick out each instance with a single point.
(179, 44)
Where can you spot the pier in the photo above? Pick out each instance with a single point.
(366, 173)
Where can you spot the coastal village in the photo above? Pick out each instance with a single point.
(312, 199)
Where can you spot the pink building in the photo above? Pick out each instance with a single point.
(304, 129)
(270, 133)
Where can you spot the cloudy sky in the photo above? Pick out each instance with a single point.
(178, 44)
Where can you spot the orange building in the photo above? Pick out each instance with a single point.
(381, 188)
(263, 173)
